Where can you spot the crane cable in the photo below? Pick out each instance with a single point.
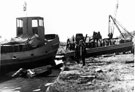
(116, 24)
(124, 29)
(117, 6)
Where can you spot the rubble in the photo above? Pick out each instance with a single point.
(33, 72)
(94, 77)
(99, 70)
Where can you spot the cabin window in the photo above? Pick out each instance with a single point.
(35, 26)
(19, 27)
(34, 23)
(19, 23)
(40, 22)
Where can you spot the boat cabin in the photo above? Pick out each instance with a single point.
(79, 36)
(28, 26)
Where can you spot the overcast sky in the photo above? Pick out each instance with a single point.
(68, 17)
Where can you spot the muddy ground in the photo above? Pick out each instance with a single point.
(108, 73)
(22, 84)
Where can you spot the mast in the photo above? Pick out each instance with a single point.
(111, 25)
(116, 9)
(115, 14)
(25, 15)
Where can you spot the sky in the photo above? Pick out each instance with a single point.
(68, 17)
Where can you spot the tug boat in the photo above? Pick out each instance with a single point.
(31, 46)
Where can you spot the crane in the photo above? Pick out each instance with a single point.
(116, 23)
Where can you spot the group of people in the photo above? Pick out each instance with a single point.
(96, 38)
(95, 41)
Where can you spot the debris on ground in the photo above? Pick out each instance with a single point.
(33, 72)
(101, 74)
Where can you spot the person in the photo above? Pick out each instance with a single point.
(94, 39)
(68, 44)
(110, 35)
(85, 37)
(99, 37)
(80, 52)
(73, 44)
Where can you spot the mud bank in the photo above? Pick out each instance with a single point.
(110, 73)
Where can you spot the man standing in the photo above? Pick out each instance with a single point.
(68, 44)
(110, 35)
(80, 52)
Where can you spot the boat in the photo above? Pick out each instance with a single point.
(31, 46)
(111, 45)
(91, 52)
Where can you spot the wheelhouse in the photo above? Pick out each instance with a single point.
(28, 26)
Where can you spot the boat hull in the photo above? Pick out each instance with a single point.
(32, 58)
(123, 47)
(28, 63)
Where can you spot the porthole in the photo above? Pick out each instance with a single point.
(14, 57)
(32, 54)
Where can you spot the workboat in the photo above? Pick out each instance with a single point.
(109, 45)
(90, 52)
(31, 46)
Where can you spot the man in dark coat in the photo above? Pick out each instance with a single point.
(110, 35)
(80, 52)
(68, 44)
(99, 37)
